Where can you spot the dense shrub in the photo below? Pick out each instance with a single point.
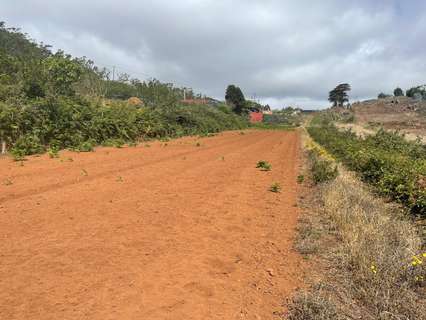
(396, 167)
(323, 170)
(80, 124)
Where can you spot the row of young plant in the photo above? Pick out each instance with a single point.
(79, 123)
(394, 166)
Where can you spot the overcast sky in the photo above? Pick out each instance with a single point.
(285, 52)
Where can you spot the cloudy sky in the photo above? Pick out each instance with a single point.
(285, 52)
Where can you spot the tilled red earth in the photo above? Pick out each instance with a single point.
(174, 231)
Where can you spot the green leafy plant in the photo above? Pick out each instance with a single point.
(26, 145)
(275, 187)
(323, 170)
(53, 152)
(86, 146)
(264, 165)
(116, 143)
(300, 178)
(395, 167)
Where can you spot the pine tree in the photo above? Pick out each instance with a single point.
(338, 96)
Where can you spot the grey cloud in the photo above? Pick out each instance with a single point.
(285, 52)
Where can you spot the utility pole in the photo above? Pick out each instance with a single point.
(184, 93)
(113, 73)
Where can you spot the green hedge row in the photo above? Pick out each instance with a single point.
(394, 166)
(78, 123)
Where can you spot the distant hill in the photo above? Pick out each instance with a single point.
(393, 113)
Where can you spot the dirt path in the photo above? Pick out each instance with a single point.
(363, 132)
(161, 232)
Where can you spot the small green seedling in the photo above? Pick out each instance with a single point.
(300, 178)
(264, 166)
(275, 187)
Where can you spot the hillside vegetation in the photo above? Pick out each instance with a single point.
(394, 166)
(53, 101)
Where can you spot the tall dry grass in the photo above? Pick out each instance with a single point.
(374, 268)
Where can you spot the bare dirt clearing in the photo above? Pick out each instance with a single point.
(174, 231)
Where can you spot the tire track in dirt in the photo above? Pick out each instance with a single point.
(194, 238)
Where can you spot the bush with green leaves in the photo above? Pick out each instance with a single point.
(323, 170)
(264, 165)
(394, 166)
(80, 124)
(52, 99)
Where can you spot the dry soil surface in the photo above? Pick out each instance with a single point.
(172, 230)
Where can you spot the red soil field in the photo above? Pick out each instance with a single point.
(174, 231)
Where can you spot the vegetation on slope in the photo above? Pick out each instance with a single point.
(369, 256)
(394, 166)
(52, 100)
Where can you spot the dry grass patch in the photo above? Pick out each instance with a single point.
(374, 267)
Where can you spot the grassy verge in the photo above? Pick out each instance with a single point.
(368, 256)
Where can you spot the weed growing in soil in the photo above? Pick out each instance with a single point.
(264, 165)
(275, 187)
(300, 178)
(53, 152)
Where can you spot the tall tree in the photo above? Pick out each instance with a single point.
(398, 92)
(235, 97)
(338, 96)
(418, 92)
(382, 95)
